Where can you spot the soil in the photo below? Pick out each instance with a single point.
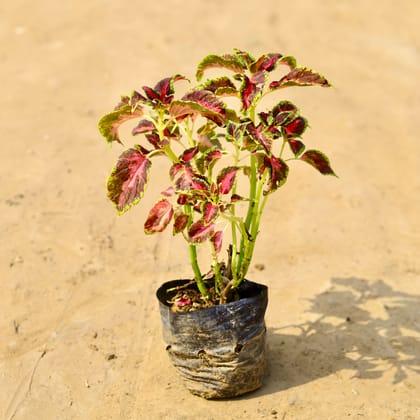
(80, 324)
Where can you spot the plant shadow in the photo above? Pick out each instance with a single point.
(362, 328)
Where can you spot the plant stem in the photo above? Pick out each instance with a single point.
(170, 153)
(250, 214)
(255, 223)
(197, 273)
(194, 260)
(216, 268)
(234, 254)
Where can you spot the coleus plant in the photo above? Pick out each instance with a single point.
(224, 161)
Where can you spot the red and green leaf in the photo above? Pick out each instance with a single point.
(249, 91)
(200, 231)
(266, 62)
(258, 135)
(284, 112)
(188, 179)
(210, 211)
(202, 102)
(296, 127)
(128, 179)
(132, 100)
(189, 154)
(300, 76)
(278, 171)
(164, 90)
(207, 160)
(246, 58)
(143, 126)
(319, 161)
(226, 179)
(217, 240)
(169, 192)
(175, 169)
(231, 62)
(296, 146)
(154, 140)
(180, 222)
(221, 86)
(110, 123)
(159, 217)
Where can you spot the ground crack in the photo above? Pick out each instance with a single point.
(15, 405)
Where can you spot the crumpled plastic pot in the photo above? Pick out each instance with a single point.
(220, 351)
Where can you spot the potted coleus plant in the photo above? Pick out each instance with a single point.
(225, 159)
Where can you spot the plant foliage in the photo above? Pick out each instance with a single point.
(213, 151)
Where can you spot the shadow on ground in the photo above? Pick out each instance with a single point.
(363, 329)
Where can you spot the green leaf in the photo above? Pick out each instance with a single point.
(109, 124)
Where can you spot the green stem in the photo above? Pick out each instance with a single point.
(197, 273)
(260, 202)
(234, 254)
(216, 268)
(193, 258)
(160, 125)
(189, 131)
(170, 153)
(284, 144)
(250, 213)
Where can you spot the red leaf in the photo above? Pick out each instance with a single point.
(165, 88)
(284, 112)
(128, 179)
(278, 173)
(175, 169)
(266, 62)
(296, 127)
(169, 192)
(143, 126)
(221, 85)
(159, 217)
(210, 211)
(301, 76)
(188, 180)
(226, 178)
(249, 90)
(319, 161)
(182, 199)
(297, 146)
(257, 134)
(206, 99)
(151, 93)
(110, 123)
(227, 61)
(189, 154)
(217, 240)
(208, 159)
(153, 138)
(199, 102)
(236, 197)
(180, 222)
(199, 231)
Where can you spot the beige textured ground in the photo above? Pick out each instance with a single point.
(80, 333)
